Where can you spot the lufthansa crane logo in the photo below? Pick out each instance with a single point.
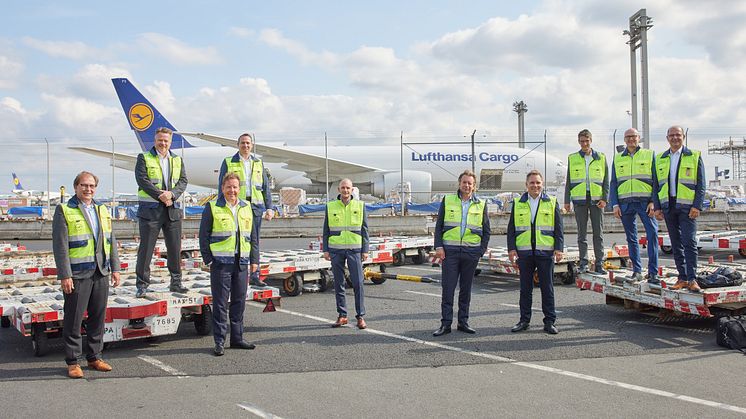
(15, 181)
(141, 116)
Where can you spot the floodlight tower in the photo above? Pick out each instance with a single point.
(639, 23)
(520, 108)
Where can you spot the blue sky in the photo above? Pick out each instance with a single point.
(361, 71)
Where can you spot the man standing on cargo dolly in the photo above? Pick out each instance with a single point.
(85, 252)
(345, 240)
(462, 233)
(633, 184)
(681, 193)
(587, 187)
(161, 179)
(227, 242)
(536, 241)
(254, 186)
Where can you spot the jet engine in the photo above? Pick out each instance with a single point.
(416, 182)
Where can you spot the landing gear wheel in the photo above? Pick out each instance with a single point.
(203, 321)
(625, 262)
(667, 249)
(39, 341)
(419, 258)
(382, 268)
(398, 258)
(5, 322)
(293, 285)
(325, 280)
(741, 252)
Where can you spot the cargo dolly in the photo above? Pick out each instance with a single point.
(711, 240)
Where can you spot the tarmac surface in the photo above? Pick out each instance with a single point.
(606, 361)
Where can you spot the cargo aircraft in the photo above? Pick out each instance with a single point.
(375, 170)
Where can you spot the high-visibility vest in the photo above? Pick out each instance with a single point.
(223, 235)
(347, 220)
(81, 240)
(634, 174)
(472, 236)
(543, 224)
(257, 179)
(155, 175)
(596, 173)
(685, 187)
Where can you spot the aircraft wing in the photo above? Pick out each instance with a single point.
(293, 160)
(122, 161)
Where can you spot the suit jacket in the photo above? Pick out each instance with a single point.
(440, 229)
(699, 189)
(61, 246)
(141, 176)
(559, 237)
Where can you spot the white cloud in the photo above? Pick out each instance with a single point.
(177, 51)
(241, 32)
(83, 115)
(73, 50)
(275, 38)
(94, 80)
(10, 70)
(161, 96)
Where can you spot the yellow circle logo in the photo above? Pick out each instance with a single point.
(141, 116)
(15, 181)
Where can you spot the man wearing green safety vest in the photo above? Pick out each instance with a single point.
(85, 252)
(633, 186)
(462, 233)
(255, 187)
(161, 179)
(680, 198)
(587, 188)
(536, 242)
(227, 242)
(345, 241)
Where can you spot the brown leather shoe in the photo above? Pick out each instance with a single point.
(341, 321)
(99, 365)
(680, 285)
(361, 323)
(74, 371)
(694, 287)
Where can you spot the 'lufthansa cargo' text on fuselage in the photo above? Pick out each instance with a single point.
(483, 156)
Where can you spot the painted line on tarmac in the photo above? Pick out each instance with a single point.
(502, 304)
(599, 380)
(257, 411)
(165, 367)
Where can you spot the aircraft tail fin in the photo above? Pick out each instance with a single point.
(17, 183)
(143, 117)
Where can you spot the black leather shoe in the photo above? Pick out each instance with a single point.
(257, 283)
(242, 345)
(219, 350)
(141, 292)
(442, 331)
(178, 288)
(464, 327)
(520, 327)
(551, 328)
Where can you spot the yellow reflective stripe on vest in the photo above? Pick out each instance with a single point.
(452, 222)
(543, 224)
(347, 220)
(634, 174)
(257, 178)
(223, 234)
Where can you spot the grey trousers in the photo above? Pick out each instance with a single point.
(597, 224)
(89, 295)
(149, 230)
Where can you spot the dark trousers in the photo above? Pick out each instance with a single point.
(629, 221)
(355, 266)
(149, 230)
(457, 269)
(228, 281)
(682, 230)
(88, 295)
(582, 213)
(545, 267)
(256, 224)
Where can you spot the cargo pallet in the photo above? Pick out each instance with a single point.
(711, 240)
(37, 312)
(711, 302)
